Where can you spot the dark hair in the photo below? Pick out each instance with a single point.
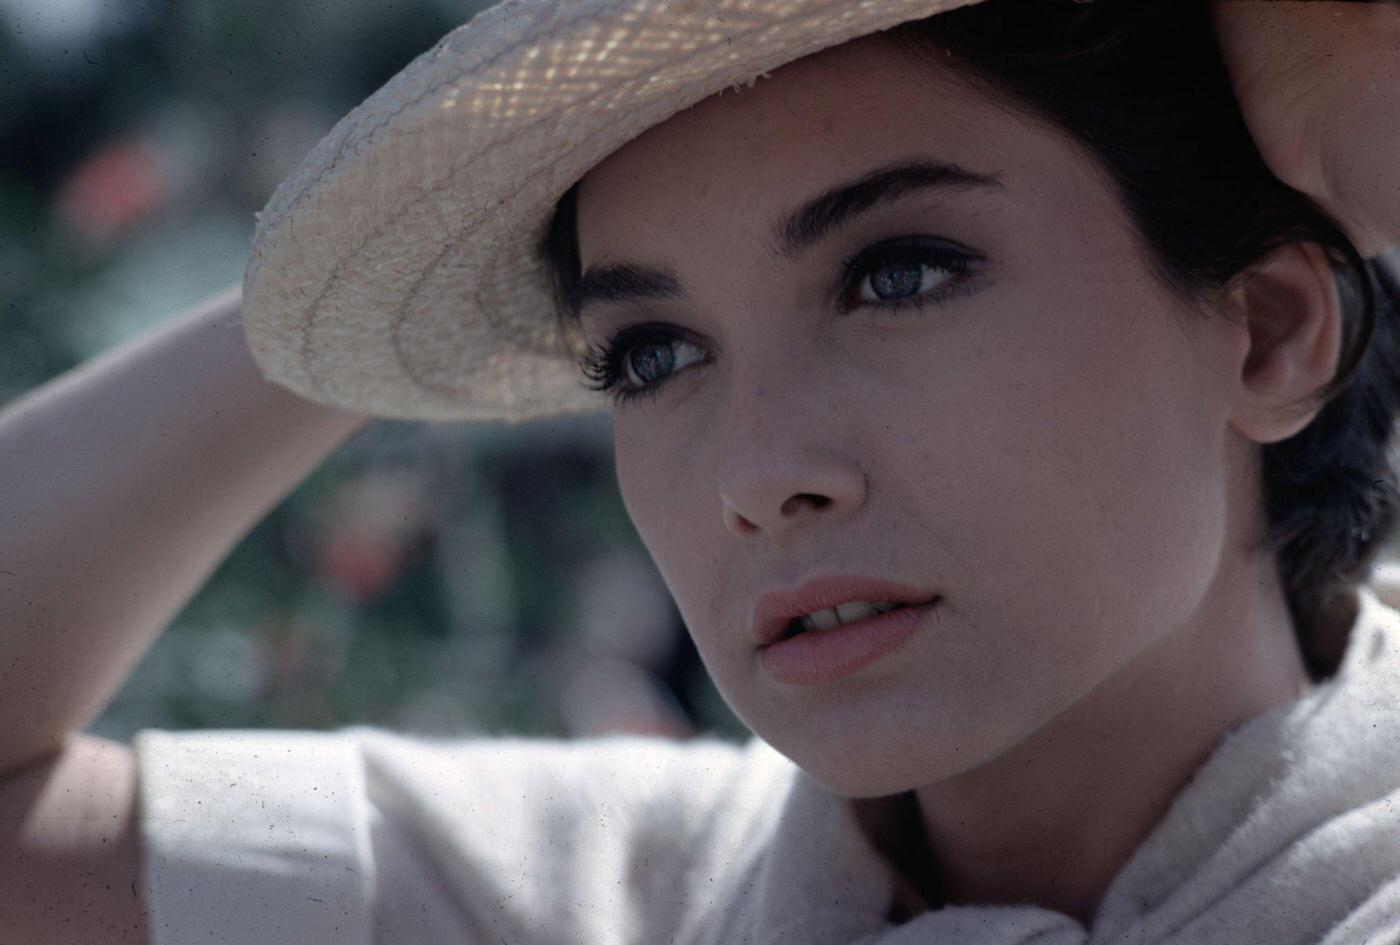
(1143, 85)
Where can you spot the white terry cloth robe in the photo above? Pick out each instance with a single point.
(1288, 834)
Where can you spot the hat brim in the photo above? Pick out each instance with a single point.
(395, 272)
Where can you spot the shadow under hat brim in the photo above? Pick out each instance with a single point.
(396, 271)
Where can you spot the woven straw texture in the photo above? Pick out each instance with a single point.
(395, 271)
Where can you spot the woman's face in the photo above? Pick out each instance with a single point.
(1038, 434)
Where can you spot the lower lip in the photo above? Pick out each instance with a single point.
(824, 656)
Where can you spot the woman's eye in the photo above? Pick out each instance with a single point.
(906, 273)
(651, 363)
(636, 362)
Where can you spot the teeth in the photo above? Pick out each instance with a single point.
(855, 610)
(845, 613)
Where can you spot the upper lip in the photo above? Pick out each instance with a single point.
(776, 609)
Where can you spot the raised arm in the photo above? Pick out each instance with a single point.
(1319, 87)
(123, 484)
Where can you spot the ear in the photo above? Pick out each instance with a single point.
(1289, 306)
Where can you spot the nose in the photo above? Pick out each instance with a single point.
(784, 468)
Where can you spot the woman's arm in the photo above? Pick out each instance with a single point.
(1361, 172)
(123, 484)
(1319, 87)
(70, 849)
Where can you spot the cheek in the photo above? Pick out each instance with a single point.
(677, 516)
(663, 504)
(1093, 476)
(640, 482)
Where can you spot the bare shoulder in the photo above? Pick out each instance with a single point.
(69, 848)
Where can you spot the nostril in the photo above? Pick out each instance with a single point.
(737, 523)
(804, 498)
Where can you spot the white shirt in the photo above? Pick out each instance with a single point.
(1288, 834)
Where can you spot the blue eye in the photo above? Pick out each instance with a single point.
(906, 273)
(636, 361)
(646, 366)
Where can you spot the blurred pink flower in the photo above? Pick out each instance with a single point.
(113, 189)
(370, 528)
(359, 564)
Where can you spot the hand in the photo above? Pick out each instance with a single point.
(1318, 83)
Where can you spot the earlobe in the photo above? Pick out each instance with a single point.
(1293, 315)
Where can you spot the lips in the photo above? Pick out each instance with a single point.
(777, 609)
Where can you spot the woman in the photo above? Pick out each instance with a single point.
(966, 393)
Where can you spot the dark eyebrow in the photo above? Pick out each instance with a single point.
(792, 234)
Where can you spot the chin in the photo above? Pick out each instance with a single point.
(868, 773)
(858, 785)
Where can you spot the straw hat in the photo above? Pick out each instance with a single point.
(395, 272)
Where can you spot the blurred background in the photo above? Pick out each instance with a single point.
(430, 578)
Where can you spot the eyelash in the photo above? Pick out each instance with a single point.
(604, 364)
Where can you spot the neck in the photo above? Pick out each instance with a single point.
(1053, 820)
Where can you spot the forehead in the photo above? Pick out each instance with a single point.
(828, 116)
